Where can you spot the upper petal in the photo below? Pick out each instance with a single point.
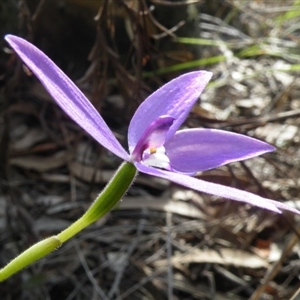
(176, 99)
(195, 150)
(66, 94)
(217, 189)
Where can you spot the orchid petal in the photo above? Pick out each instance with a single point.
(194, 150)
(66, 94)
(153, 137)
(176, 98)
(217, 189)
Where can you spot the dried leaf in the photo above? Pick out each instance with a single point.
(41, 164)
(224, 256)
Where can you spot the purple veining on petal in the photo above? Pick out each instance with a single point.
(66, 94)
(194, 150)
(217, 190)
(176, 98)
(153, 137)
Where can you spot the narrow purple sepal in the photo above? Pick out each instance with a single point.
(194, 150)
(66, 94)
(176, 98)
(217, 190)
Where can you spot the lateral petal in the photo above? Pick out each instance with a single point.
(176, 98)
(66, 94)
(217, 189)
(194, 150)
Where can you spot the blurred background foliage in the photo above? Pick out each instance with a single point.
(162, 242)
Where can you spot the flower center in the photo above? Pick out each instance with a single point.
(149, 148)
(156, 157)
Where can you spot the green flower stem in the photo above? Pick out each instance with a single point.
(109, 197)
(32, 254)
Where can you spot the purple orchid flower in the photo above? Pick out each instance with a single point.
(156, 146)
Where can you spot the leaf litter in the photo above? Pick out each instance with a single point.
(161, 242)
